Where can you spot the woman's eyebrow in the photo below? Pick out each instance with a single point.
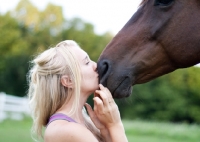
(86, 58)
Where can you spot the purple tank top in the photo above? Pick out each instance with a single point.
(60, 116)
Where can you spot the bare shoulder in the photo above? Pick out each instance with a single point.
(63, 131)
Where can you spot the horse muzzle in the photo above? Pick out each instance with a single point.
(120, 85)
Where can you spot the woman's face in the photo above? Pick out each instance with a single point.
(89, 82)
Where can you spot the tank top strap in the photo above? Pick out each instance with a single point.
(60, 116)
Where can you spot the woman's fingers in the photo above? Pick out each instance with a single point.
(105, 95)
(98, 105)
(90, 111)
(105, 107)
(109, 95)
(102, 96)
(93, 117)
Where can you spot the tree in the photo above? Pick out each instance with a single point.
(27, 14)
(12, 56)
(52, 17)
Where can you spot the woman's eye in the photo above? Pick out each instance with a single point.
(87, 63)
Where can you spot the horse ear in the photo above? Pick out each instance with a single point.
(66, 81)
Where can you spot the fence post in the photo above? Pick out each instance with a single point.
(2, 103)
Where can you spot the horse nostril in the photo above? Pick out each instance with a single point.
(103, 68)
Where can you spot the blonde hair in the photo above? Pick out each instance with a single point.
(46, 93)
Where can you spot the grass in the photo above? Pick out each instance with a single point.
(136, 131)
(16, 131)
(143, 131)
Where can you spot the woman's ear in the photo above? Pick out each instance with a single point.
(66, 81)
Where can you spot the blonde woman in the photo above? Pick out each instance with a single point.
(60, 82)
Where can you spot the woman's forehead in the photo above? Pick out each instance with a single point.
(80, 53)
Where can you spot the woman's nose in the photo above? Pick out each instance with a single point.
(95, 65)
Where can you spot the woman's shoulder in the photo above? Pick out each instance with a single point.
(64, 131)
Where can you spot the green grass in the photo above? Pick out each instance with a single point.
(143, 131)
(136, 131)
(16, 131)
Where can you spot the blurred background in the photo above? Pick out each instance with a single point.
(166, 109)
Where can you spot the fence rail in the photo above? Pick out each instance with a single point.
(13, 107)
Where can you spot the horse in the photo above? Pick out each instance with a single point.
(160, 37)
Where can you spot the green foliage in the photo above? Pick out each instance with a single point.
(26, 13)
(13, 57)
(84, 34)
(11, 42)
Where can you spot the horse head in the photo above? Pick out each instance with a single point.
(162, 36)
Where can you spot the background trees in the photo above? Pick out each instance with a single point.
(25, 31)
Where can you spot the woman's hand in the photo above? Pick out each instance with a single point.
(105, 107)
(94, 118)
(103, 130)
(105, 112)
(106, 116)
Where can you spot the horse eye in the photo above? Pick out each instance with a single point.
(163, 2)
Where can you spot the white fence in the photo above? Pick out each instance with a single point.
(13, 107)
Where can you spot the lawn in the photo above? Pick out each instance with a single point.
(15, 131)
(137, 131)
(143, 131)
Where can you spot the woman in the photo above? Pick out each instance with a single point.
(60, 82)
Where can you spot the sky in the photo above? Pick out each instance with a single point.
(105, 15)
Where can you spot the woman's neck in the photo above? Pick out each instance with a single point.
(77, 116)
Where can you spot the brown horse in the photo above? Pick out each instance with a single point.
(162, 36)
